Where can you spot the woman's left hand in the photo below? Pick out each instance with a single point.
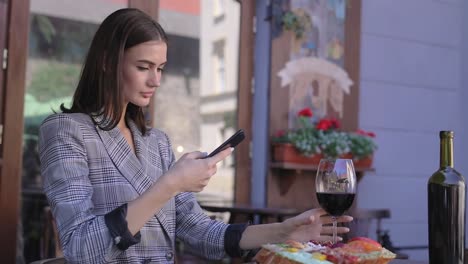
(310, 226)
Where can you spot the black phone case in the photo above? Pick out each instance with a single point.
(233, 141)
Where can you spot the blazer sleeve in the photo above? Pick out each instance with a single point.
(84, 236)
(197, 230)
(193, 226)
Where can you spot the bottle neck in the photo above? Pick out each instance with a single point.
(446, 152)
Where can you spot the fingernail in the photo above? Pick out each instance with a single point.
(232, 149)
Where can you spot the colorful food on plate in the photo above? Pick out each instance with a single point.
(359, 250)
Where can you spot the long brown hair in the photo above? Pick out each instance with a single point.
(99, 91)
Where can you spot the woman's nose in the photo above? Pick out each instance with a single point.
(154, 79)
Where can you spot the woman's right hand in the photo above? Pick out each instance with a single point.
(191, 173)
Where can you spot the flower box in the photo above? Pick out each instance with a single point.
(322, 135)
(284, 152)
(364, 162)
(346, 156)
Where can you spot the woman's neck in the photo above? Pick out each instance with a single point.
(122, 125)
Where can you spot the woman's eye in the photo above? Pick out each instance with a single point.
(141, 68)
(160, 69)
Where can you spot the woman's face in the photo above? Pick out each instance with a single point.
(142, 68)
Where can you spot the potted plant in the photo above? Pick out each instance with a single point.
(316, 138)
(362, 147)
(299, 145)
(334, 144)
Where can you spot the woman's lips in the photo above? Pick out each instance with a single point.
(147, 94)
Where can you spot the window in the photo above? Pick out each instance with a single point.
(218, 8)
(219, 66)
(196, 104)
(60, 33)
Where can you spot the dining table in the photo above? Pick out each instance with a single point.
(252, 213)
(407, 261)
(396, 261)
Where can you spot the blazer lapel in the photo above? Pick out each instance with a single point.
(124, 160)
(135, 168)
(141, 149)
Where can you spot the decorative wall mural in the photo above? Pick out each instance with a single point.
(315, 72)
(315, 82)
(323, 26)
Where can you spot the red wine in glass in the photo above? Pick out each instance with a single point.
(335, 186)
(335, 204)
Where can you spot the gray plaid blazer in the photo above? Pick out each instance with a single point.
(88, 172)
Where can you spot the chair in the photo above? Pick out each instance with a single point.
(50, 245)
(59, 260)
(364, 223)
(369, 221)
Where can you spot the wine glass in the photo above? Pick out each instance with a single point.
(335, 186)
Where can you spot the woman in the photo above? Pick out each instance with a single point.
(116, 191)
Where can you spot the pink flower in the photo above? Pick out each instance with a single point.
(335, 123)
(280, 133)
(324, 124)
(365, 133)
(361, 132)
(307, 112)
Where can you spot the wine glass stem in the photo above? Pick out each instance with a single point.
(334, 229)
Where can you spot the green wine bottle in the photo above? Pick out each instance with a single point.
(446, 201)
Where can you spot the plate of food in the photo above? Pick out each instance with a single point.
(359, 250)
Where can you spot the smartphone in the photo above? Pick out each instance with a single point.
(231, 142)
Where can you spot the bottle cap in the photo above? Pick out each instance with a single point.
(446, 134)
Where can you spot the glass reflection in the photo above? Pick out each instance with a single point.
(60, 34)
(196, 104)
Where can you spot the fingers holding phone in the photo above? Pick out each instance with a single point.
(193, 171)
(226, 148)
(220, 155)
(190, 173)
